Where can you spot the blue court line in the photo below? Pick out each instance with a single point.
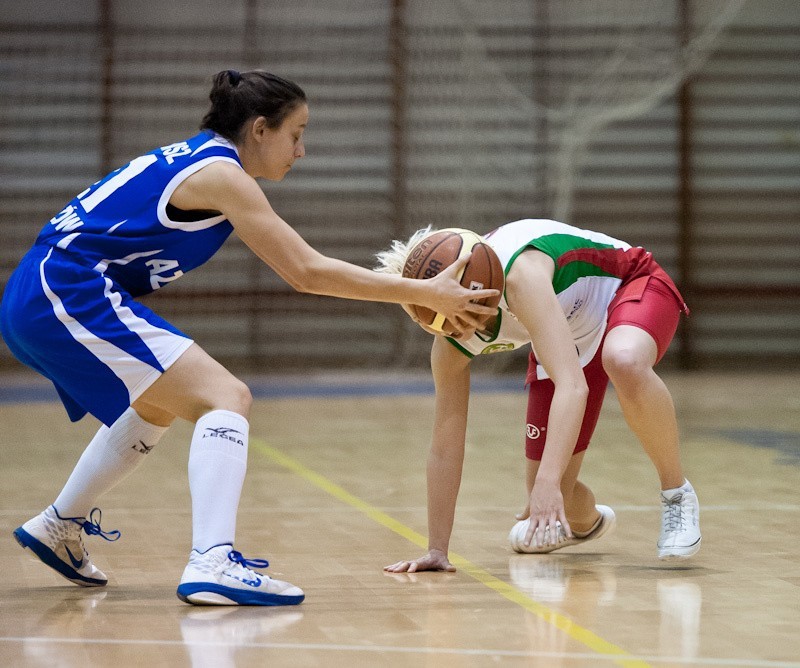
(280, 389)
(24, 394)
(380, 388)
(785, 444)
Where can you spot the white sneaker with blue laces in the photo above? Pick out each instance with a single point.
(222, 576)
(57, 541)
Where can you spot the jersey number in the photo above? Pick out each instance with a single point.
(125, 174)
(159, 269)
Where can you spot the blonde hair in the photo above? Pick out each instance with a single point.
(393, 260)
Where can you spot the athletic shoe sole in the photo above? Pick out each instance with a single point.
(47, 556)
(679, 553)
(208, 593)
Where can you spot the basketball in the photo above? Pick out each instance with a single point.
(438, 251)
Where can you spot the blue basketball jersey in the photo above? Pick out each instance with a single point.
(69, 309)
(122, 226)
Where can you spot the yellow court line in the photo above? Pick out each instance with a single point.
(565, 624)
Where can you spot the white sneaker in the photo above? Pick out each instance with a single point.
(605, 524)
(680, 523)
(57, 541)
(222, 576)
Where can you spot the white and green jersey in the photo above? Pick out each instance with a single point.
(589, 268)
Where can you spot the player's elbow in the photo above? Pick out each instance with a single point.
(300, 282)
(580, 389)
(308, 277)
(576, 388)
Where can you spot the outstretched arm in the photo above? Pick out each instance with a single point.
(451, 377)
(224, 187)
(531, 298)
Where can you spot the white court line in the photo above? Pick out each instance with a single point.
(735, 507)
(738, 508)
(388, 649)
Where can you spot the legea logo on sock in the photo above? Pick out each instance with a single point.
(223, 432)
(142, 448)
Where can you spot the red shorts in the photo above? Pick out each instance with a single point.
(648, 302)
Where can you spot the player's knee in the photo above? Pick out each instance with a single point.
(238, 395)
(227, 393)
(625, 365)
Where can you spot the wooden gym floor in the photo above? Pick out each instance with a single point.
(336, 490)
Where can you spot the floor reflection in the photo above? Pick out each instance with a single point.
(551, 579)
(574, 588)
(212, 635)
(69, 617)
(680, 602)
(579, 588)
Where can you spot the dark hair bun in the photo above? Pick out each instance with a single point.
(238, 96)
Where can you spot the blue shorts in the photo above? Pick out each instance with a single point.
(77, 327)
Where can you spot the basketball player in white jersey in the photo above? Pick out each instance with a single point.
(69, 311)
(592, 308)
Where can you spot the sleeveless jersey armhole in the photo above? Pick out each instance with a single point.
(180, 177)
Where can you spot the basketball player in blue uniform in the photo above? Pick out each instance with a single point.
(69, 311)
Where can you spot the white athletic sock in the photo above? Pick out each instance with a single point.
(110, 457)
(685, 487)
(217, 466)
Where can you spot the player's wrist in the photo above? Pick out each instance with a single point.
(547, 479)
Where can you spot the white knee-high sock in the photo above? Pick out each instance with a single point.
(110, 457)
(217, 466)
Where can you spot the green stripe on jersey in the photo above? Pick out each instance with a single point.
(555, 245)
(572, 272)
(461, 348)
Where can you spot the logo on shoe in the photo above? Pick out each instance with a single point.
(223, 432)
(77, 563)
(250, 583)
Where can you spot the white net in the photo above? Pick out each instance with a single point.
(553, 108)
(640, 59)
(522, 89)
